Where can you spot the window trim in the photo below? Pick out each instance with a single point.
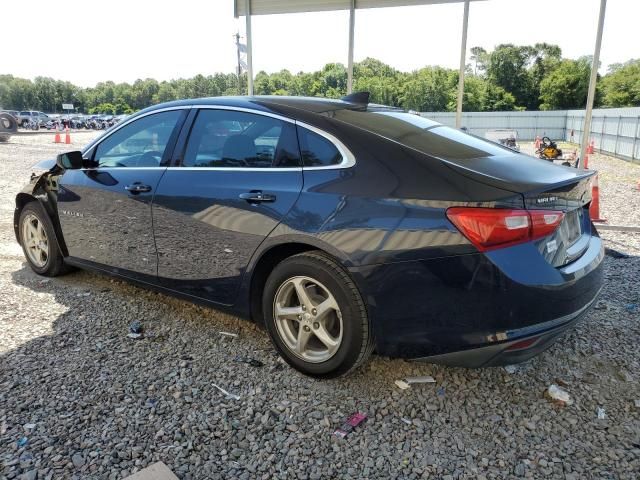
(348, 159)
(120, 125)
(197, 108)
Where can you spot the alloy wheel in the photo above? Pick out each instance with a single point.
(36, 243)
(308, 319)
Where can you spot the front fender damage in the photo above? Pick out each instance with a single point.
(42, 188)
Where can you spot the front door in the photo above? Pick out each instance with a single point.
(238, 176)
(105, 210)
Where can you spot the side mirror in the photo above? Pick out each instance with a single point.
(69, 160)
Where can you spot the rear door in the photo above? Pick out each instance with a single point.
(237, 176)
(105, 209)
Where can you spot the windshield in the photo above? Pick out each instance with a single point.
(422, 134)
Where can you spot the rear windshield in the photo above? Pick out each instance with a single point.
(422, 134)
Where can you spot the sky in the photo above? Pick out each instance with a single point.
(122, 40)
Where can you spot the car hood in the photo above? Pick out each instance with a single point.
(47, 164)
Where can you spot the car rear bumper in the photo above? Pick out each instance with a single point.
(526, 343)
(470, 310)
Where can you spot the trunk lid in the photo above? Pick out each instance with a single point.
(543, 186)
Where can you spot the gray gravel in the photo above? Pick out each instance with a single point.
(79, 399)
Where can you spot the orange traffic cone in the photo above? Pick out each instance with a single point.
(586, 161)
(57, 139)
(594, 208)
(67, 137)
(590, 148)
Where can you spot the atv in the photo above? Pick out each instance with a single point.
(548, 150)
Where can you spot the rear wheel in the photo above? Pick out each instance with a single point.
(316, 317)
(38, 241)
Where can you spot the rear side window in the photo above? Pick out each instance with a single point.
(316, 150)
(423, 134)
(232, 139)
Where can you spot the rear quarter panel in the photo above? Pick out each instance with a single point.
(390, 206)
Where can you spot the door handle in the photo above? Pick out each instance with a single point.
(137, 187)
(257, 196)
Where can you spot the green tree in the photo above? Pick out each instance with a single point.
(566, 87)
(262, 84)
(497, 99)
(507, 68)
(166, 92)
(429, 89)
(107, 108)
(333, 80)
(482, 96)
(122, 108)
(545, 59)
(510, 77)
(621, 86)
(480, 58)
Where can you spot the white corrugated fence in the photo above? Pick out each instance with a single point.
(614, 131)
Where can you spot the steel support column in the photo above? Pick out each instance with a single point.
(463, 63)
(247, 17)
(352, 24)
(586, 130)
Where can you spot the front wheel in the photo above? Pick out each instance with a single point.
(316, 317)
(37, 238)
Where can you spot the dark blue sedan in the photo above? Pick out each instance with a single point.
(343, 226)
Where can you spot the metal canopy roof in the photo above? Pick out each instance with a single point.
(270, 7)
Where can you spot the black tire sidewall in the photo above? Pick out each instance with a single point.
(54, 255)
(352, 319)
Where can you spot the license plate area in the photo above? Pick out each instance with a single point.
(571, 227)
(568, 242)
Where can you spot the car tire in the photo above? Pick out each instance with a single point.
(324, 342)
(38, 241)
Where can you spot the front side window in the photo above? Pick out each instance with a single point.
(142, 143)
(231, 139)
(317, 151)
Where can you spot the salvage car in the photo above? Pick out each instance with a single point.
(341, 226)
(27, 116)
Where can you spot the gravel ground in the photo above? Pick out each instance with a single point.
(78, 399)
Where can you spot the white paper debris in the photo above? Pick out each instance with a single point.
(423, 379)
(401, 384)
(229, 395)
(559, 395)
(228, 334)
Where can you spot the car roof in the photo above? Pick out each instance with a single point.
(265, 102)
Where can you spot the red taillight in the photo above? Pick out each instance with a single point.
(522, 344)
(491, 228)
